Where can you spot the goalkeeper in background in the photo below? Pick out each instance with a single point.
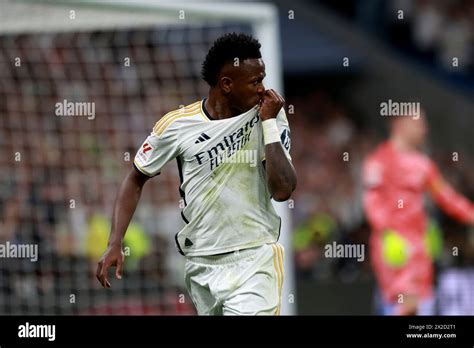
(396, 175)
(232, 152)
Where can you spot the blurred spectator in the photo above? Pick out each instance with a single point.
(435, 31)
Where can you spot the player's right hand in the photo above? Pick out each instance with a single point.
(270, 104)
(113, 256)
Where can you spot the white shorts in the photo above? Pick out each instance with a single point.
(244, 282)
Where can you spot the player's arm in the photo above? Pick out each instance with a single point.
(159, 148)
(451, 202)
(125, 205)
(281, 175)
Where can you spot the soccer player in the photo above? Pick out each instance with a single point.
(396, 175)
(234, 263)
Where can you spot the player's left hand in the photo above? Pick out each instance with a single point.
(270, 105)
(113, 256)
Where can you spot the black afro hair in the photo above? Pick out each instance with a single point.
(224, 50)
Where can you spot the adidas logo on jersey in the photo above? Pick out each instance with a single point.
(203, 137)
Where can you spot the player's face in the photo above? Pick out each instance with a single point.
(247, 84)
(415, 130)
(419, 130)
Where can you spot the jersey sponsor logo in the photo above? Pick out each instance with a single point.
(229, 145)
(202, 138)
(142, 154)
(146, 147)
(285, 139)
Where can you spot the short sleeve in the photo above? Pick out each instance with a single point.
(285, 135)
(157, 150)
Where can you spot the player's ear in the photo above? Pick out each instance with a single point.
(225, 84)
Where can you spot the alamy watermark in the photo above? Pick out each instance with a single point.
(20, 251)
(28, 330)
(241, 156)
(67, 108)
(392, 108)
(335, 250)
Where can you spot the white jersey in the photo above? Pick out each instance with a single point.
(227, 202)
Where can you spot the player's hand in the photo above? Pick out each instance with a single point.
(409, 307)
(270, 104)
(113, 256)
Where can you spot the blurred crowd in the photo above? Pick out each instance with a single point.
(437, 32)
(440, 32)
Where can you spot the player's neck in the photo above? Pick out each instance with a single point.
(218, 108)
(401, 144)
